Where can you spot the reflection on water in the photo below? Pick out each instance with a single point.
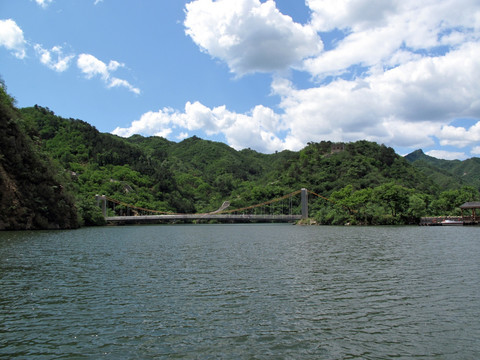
(241, 291)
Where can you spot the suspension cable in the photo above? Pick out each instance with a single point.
(220, 212)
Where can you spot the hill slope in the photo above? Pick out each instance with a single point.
(448, 173)
(31, 193)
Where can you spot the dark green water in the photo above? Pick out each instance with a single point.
(241, 292)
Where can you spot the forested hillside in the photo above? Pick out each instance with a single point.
(31, 192)
(448, 173)
(366, 183)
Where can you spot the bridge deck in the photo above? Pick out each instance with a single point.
(219, 217)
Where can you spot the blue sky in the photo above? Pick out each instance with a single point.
(267, 75)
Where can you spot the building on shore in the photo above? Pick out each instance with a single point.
(470, 216)
(471, 212)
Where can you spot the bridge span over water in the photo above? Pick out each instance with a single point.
(222, 215)
(192, 217)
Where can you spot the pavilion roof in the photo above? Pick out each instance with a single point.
(471, 205)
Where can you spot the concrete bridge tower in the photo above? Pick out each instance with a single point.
(102, 201)
(304, 197)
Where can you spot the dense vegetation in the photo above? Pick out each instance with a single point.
(447, 173)
(31, 191)
(365, 183)
(368, 183)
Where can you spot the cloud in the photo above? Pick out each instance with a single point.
(406, 106)
(61, 62)
(149, 123)
(459, 136)
(357, 49)
(255, 129)
(11, 37)
(248, 35)
(447, 155)
(252, 36)
(403, 106)
(377, 31)
(181, 136)
(43, 3)
(356, 14)
(396, 72)
(92, 67)
(116, 82)
(475, 150)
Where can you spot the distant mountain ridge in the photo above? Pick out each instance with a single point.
(448, 173)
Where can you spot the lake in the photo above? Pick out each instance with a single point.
(262, 291)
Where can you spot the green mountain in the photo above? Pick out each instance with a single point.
(361, 182)
(449, 174)
(31, 192)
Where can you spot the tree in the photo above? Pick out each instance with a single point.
(416, 207)
(393, 196)
(90, 214)
(448, 202)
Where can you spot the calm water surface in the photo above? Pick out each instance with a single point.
(241, 292)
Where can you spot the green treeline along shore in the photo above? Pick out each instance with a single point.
(51, 168)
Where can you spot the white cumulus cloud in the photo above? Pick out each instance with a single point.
(91, 67)
(403, 106)
(54, 58)
(255, 129)
(11, 37)
(460, 136)
(248, 35)
(377, 31)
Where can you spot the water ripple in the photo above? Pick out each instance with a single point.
(240, 291)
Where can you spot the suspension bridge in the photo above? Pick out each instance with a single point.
(283, 209)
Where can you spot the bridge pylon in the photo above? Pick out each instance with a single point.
(102, 202)
(304, 200)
